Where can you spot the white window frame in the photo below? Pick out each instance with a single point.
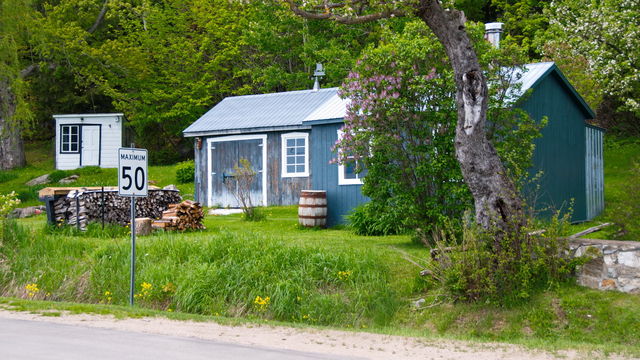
(296, 135)
(342, 168)
(69, 142)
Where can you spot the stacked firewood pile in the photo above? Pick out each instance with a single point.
(182, 216)
(80, 207)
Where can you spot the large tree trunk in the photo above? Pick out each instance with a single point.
(497, 202)
(11, 145)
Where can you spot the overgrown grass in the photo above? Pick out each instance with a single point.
(40, 161)
(215, 273)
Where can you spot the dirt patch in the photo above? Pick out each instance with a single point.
(359, 344)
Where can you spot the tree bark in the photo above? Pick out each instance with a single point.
(11, 144)
(497, 201)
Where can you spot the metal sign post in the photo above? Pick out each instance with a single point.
(133, 251)
(132, 182)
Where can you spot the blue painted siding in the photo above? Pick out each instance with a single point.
(560, 152)
(341, 199)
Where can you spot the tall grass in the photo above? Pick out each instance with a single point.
(227, 274)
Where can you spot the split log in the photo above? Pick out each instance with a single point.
(96, 205)
(589, 230)
(182, 216)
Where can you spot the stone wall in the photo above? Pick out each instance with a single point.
(616, 264)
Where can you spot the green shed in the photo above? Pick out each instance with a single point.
(569, 154)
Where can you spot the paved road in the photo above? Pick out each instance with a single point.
(37, 340)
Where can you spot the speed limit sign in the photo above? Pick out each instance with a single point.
(132, 181)
(132, 172)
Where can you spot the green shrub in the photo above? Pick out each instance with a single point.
(185, 172)
(254, 214)
(7, 176)
(501, 268)
(372, 219)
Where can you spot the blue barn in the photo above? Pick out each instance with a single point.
(288, 138)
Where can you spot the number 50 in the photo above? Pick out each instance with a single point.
(138, 178)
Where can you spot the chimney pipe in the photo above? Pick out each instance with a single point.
(319, 73)
(492, 33)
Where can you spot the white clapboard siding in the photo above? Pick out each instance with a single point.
(107, 143)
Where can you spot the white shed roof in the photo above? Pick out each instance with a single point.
(260, 111)
(63, 116)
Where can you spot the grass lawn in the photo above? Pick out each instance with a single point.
(312, 278)
(40, 162)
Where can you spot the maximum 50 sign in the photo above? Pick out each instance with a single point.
(132, 172)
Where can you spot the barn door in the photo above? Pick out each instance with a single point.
(90, 145)
(225, 155)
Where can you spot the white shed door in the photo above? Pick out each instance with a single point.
(90, 146)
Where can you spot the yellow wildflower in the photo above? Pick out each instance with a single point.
(261, 303)
(32, 289)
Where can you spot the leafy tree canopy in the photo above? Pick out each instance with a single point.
(401, 124)
(607, 34)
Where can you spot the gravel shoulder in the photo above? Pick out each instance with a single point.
(334, 342)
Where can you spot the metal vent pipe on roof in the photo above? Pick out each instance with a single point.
(492, 32)
(318, 74)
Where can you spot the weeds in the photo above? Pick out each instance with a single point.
(232, 274)
(504, 272)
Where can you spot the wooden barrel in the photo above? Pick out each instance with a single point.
(312, 210)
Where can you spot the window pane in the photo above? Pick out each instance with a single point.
(300, 168)
(300, 142)
(291, 168)
(350, 170)
(299, 159)
(74, 147)
(291, 151)
(65, 130)
(300, 151)
(291, 142)
(291, 160)
(74, 130)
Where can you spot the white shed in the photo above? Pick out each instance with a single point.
(88, 140)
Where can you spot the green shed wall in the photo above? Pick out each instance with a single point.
(560, 152)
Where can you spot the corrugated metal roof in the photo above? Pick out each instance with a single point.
(334, 108)
(261, 111)
(527, 77)
(534, 72)
(295, 107)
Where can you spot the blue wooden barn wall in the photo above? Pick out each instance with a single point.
(560, 152)
(341, 199)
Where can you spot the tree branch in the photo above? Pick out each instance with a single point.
(349, 20)
(28, 70)
(100, 18)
